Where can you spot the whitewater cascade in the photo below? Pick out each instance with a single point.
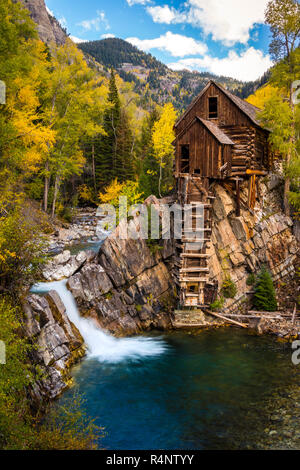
(101, 345)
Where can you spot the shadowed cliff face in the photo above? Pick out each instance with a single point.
(58, 342)
(48, 27)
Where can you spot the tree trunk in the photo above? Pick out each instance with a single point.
(160, 179)
(46, 187)
(56, 189)
(287, 187)
(94, 167)
(287, 183)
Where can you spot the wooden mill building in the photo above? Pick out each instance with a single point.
(218, 138)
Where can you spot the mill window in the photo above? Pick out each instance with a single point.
(213, 107)
(185, 159)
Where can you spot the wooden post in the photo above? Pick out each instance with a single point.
(238, 196)
(294, 315)
(253, 193)
(94, 166)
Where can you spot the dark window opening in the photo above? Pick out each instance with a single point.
(192, 288)
(185, 159)
(213, 107)
(197, 172)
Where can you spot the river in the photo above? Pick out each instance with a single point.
(220, 389)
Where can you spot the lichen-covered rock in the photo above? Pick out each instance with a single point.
(241, 245)
(58, 343)
(90, 284)
(64, 265)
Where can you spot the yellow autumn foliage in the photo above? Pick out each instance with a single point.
(262, 96)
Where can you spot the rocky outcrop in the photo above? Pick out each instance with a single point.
(57, 343)
(49, 28)
(64, 265)
(129, 287)
(241, 245)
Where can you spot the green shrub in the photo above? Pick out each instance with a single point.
(21, 249)
(229, 289)
(251, 280)
(66, 427)
(265, 295)
(218, 305)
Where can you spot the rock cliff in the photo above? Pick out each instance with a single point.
(49, 28)
(130, 287)
(241, 245)
(57, 343)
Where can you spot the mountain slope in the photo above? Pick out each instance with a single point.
(49, 28)
(155, 80)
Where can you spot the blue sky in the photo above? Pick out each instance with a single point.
(221, 36)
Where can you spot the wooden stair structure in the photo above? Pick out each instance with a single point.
(191, 261)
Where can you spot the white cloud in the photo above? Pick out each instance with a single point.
(50, 12)
(63, 22)
(107, 36)
(229, 21)
(78, 40)
(137, 2)
(166, 15)
(248, 66)
(95, 23)
(176, 44)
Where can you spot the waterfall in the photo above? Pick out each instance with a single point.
(101, 345)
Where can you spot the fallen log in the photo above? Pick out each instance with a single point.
(294, 314)
(254, 312)
(256, 317)
(242, 325)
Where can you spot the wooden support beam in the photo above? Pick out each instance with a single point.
(199, 232)
(194, 255)
(238, 196)
(194, 270)
(256, 173)
(197, 240)
(294, 314)
(242, 325)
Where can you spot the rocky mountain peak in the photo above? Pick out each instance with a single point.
(49, 28)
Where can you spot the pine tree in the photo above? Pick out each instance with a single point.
(124, 165)
(265, 295)
(148, 167)
(114, 150)
(106, 147)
